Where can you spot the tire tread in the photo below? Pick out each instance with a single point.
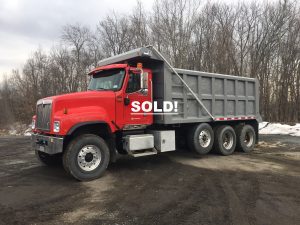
(67, 156)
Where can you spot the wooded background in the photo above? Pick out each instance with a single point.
(259, 40)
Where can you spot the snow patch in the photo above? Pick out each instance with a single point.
(28, 132)
(17, 129)
(277, 128)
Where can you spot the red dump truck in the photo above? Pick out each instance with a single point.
(138, 104)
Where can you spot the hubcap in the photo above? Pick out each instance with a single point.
(89, 157)
(249, 139)
(204, 138)
(227, 140)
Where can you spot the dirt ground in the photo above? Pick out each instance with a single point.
(172, 188)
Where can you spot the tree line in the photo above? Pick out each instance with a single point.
(259, 40)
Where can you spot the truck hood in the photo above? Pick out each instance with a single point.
(81, 103)
(81, 107)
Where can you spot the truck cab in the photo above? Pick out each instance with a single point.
(104, 109)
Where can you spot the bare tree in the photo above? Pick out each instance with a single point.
(115, 33)
(78, 37)
(139, 27)
(173, 23)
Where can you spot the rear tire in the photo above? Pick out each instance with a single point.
(86, 157)
(48, 160)
(225, 140)
(246, 138)
(201, 138)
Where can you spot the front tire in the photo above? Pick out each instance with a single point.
(86, 157)
(225, 140)
(201, 138)
(48, 160)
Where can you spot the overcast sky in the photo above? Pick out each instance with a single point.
(27, 24)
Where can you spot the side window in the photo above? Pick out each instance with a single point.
(134, 83)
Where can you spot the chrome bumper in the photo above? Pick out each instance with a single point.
(47, 144)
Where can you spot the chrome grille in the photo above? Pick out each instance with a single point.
(43, 116)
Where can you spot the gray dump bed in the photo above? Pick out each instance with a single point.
(225, 97)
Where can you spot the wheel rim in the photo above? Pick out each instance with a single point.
(89, 157)
(249, 139)
(204, 138)
(227, 140)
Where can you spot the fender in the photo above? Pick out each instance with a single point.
(110, 140)
(76, 126)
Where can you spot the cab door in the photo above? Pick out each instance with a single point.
(139, 89)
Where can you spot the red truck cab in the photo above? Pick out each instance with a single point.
(104, 108)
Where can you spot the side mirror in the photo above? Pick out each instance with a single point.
(144, 83)
(126, 101)
(144, 80)
(144, 91)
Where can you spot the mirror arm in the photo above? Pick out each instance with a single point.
(142, 79)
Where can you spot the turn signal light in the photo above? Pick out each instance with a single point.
(139, 66)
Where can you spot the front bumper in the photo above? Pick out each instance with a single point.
(48, 144)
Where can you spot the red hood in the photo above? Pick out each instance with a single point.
(80, 99)
(81, 107)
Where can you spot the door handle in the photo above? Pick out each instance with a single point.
(126, 101)
(119, 98)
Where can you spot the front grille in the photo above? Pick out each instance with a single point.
(43, 117)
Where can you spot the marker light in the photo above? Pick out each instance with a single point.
(139, 66)
(33, 124)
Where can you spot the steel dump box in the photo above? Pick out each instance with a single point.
(226, 97)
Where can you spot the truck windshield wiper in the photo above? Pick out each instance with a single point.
(98, 89)
(102, 89)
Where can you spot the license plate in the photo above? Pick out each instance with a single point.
(42, 148)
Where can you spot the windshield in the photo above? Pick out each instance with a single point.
(107, 80)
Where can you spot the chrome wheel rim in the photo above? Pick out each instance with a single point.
(249, 139)
(204, 138)
(227, 140)
(89, 157)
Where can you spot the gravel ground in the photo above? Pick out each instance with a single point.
(172, 188)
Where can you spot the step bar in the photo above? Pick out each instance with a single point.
(144, 152)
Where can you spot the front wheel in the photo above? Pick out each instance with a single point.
(86, 157)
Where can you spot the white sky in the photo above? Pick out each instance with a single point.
(26, 25)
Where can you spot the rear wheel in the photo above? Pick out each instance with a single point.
(246, 138)
(225, 140)
(86, 157)
(201, 138)
(46, 159)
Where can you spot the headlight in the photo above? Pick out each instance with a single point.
(33, 124)
(56, 126)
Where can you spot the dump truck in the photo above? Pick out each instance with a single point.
(137, 104)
